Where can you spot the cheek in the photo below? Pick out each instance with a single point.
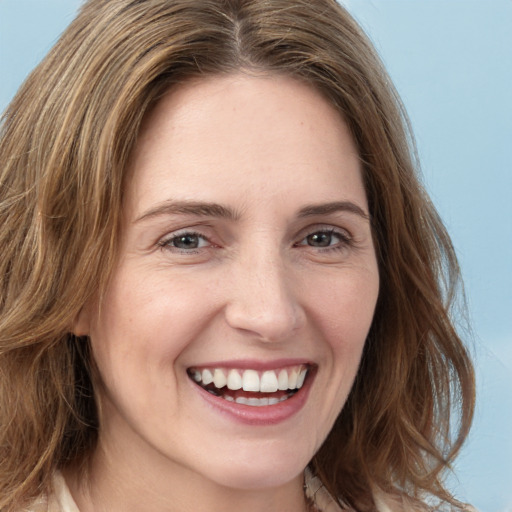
(342, 312)
(344, 308)
(148, 321)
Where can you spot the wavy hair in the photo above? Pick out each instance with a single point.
(64, 144)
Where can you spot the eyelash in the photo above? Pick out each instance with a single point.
(345, 241)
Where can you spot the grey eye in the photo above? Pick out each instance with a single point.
(188, 241)
(322, 239)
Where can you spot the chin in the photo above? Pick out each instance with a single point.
(259, 471)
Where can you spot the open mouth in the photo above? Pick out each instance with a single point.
(251, 387)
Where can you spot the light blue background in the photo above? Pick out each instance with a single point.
(452, 63)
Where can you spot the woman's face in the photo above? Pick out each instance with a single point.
(246, 258)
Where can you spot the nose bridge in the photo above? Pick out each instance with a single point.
(262, 298)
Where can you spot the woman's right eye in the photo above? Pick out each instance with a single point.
(186, 241)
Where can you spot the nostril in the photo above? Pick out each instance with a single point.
(275, 324)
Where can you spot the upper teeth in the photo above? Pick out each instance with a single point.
(268, 381)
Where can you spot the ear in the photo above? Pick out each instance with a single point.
(82, 323)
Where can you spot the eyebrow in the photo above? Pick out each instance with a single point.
(334, 207)
(198, 208)
(205, 209)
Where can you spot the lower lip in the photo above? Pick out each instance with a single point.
(259, 416)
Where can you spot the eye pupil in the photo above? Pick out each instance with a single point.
(320, 239)
(186, 242)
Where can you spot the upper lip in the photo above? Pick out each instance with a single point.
(253, 364)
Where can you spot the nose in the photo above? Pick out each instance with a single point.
(263, 298)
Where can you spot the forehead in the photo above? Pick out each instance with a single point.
(209, 136)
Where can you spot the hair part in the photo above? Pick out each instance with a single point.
(65, 144)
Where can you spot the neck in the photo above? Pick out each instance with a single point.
(114, 485)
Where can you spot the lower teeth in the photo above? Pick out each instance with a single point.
(252, 401)
(256, 402)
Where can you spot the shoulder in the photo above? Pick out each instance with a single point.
(324, 502)
(387, 503)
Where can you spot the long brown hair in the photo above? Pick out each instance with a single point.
(64, 144)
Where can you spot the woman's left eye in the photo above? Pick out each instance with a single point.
(185, 241)
(327, 238)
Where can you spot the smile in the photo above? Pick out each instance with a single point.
(251, 387)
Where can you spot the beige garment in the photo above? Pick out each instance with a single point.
(317, 493)
(59, 501)
(324, 502)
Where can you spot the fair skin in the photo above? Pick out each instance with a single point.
(246, 255)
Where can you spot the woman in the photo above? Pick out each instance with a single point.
(222, 282)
